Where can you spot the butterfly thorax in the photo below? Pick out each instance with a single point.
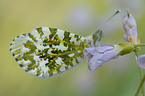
(94, 39)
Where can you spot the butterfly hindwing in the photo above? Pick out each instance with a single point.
(46, 51)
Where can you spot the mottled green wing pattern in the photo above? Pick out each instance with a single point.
(47, 51)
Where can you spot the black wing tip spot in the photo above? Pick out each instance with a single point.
(18, 36)
(21, 65)
(11, 44)
(24, 34)
(10, 49)
(13, 54)
(27, 70)
(16, 59)
(29, 33)
(13, 39)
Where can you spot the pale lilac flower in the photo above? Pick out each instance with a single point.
(130, 28)
(141, 61)
(97, 56)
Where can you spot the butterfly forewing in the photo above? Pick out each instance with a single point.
(46, 51)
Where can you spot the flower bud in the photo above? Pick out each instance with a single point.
(130, 28)
(124, 48)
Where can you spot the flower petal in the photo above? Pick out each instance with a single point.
(105, 48)
(125, 36)
(87, 54)
(112, 54)
(93, 64)
(99, 56)
(141, 61)
(90, 51)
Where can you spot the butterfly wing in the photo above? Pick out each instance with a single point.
(47, 51)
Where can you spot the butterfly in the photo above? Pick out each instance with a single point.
(44, 52)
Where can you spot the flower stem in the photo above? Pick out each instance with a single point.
(138, 45)
(142, 92)
(140, 86)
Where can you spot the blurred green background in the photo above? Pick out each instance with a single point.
(119, 77)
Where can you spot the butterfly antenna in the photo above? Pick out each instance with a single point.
(118, 11)
(97, 36)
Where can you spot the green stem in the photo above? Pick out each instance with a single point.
(138, 45)
(142, 92)
(140, 86)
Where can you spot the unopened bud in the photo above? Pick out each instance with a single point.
(124, 48)
(130, 28)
